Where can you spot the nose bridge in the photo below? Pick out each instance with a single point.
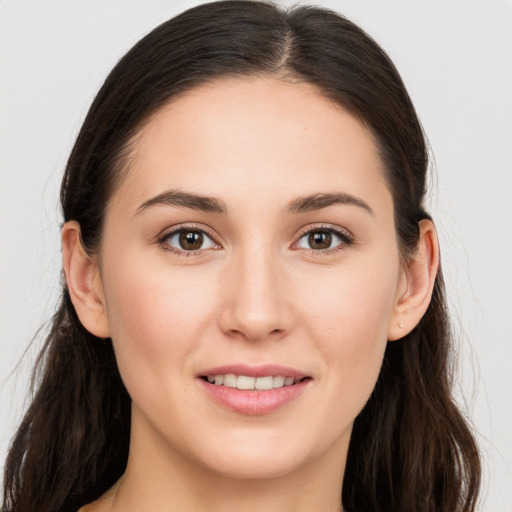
(256, 306)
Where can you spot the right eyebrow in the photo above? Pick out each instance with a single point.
(186, 200)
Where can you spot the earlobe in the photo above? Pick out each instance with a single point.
(419, 276)
(84, 282)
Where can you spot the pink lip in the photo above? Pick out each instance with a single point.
(254, 371)
(254, 402)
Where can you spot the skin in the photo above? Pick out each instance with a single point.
(257, 294)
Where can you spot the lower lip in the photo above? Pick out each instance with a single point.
(253, 402)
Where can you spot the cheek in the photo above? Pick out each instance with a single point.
(353, 303)
(157, 316)
(349, 316)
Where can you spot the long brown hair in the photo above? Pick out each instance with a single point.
(411, 448)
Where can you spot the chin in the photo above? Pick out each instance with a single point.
(264, 457)
(260, 466)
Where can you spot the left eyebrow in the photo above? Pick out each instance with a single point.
(319, 201)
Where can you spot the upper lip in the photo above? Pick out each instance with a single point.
(254, 370)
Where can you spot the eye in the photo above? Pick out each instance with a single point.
(323, 239)
(188, 240)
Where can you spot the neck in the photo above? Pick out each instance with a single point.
(160, 479)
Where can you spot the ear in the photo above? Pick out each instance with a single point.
(416, 283)
(84, 281)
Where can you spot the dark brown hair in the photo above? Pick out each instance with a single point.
(411, 449)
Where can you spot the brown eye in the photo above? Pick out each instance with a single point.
(319, 240)
(188, 240)
(191, 240)
(323, 240)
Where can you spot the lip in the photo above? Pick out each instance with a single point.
(254, 402)
(254, 371)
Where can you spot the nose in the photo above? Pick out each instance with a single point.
(255, 304)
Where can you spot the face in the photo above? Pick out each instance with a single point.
(251, 243)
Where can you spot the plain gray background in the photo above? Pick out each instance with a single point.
(456, 59)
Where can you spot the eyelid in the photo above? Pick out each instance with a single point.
(170, 231)
(346, 236)
(325, 227)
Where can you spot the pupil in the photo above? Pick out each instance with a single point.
(191, 240)
(320, 240)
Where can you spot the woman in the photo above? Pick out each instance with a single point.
(253, 316)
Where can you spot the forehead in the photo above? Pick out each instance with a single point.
(243, 136)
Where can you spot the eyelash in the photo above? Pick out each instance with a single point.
(347, 239)
(162, 240)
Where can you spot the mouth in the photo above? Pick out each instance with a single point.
(254, 390)
(248, 383)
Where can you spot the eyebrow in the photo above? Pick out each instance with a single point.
(214, 205)
(319, 201)
(186, 200)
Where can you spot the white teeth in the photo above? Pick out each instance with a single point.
(278, 381)
(230, 380)
(264, 382)
(245, 382)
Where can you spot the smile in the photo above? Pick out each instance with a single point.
(253, 390)
(246, 382)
